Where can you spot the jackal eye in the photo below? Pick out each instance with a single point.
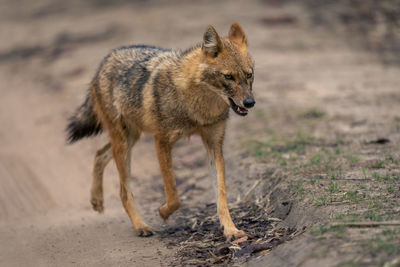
(249, 75)
(228, 76)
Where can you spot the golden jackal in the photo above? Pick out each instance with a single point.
(169, 94)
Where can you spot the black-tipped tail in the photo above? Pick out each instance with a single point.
(84, 123)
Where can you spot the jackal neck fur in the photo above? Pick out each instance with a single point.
(208, 105)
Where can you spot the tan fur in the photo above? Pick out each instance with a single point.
(169, 94)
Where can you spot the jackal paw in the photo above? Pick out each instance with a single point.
(97, 203)
(144, 230)
(233, 233)
(166, 210)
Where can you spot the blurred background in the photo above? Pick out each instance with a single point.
(329, 69)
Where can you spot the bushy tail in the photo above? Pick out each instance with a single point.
(84, 122)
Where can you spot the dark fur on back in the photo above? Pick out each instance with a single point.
(131, 76)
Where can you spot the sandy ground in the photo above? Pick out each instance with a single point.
(48, 54)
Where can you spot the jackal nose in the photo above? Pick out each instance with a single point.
(249, 102)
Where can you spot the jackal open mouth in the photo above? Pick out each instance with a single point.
(238, 110)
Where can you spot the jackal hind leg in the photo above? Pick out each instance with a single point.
(164, 147)
(122, 144)
(102, 158)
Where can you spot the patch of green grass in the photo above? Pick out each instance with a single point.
(390, 189)
(319, 229)
(297, 144)
(364, 172)
(349, 263)
(377, 202)
(379, 164)
(382, 246)
(348, 217)
(333, 187)
(376, 176)
(392, 159)
(354, 159)
(333, 169)
(354, 196)
(338, 231)
(279, 148)
(372, 215)
(283, 162)
(379, 177)
(326, 162)
(387, 242)
(261, 149)
(312, 113)
(386, 178)
(316, 159)
(332, 176)
(298, 189)
(339, 216)
(315, 181)
(340, 141)
(320, 201)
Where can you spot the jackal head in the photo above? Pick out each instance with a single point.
(228, 68)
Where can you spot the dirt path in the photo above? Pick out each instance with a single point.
(48, 54)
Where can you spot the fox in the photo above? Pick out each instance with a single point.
(169, 94)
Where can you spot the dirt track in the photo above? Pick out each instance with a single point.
(48, 54)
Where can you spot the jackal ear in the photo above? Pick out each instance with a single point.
(212, 44)
(237, 36)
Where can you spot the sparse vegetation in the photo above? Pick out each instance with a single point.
(298, 189)
(336, 175)
(387, 241)
(313, 113)
(354, 159)
(379, 164)
(338, 231)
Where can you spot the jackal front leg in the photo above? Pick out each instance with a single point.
(213, 141)
(164, 147)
